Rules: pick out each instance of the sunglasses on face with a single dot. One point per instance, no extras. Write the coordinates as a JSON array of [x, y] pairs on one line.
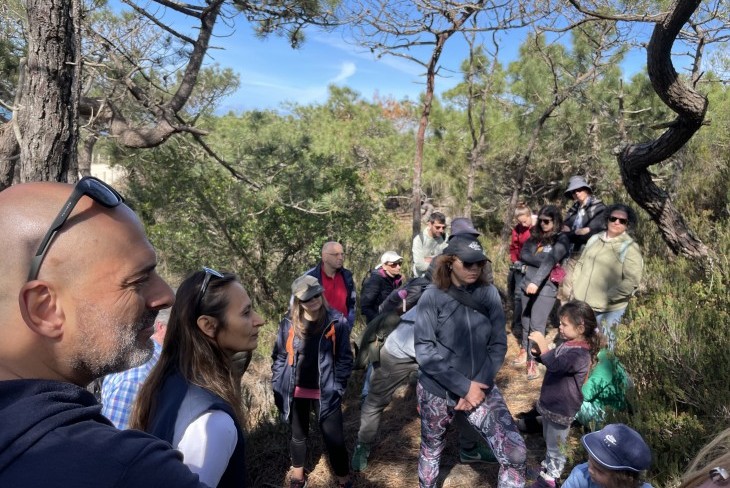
[[209, 274], [396, 264], [476, 264], [311, 298], [93, 188], [618, 219], [546, 221]]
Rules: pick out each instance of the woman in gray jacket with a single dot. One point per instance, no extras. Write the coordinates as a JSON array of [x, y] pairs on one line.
[[460, 343]]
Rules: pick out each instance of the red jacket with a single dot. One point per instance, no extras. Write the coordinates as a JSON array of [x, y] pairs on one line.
[[520, 234]]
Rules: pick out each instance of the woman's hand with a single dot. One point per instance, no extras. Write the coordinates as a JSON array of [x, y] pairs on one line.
[[463, 406], [476, 393], [582, 231], [531, 289], [540, 341]]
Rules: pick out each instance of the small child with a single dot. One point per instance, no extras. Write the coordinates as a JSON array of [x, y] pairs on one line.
[[567, 369], [617, 457], [520, 233]]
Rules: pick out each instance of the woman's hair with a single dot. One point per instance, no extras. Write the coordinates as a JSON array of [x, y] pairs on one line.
[[197, 357], [581, 314], [522, 209], [716, 454], [297, 311], [623, 208], [441, 276], [552, 212]]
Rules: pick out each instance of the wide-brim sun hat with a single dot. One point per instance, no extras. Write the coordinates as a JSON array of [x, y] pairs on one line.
[[576, 183]]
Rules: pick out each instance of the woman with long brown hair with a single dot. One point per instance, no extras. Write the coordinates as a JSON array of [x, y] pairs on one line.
[[312, 363], [191, 398], [460, 343]]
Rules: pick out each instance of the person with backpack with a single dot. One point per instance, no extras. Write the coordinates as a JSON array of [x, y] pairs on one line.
[[460, 344], [609, 270], [312, 362], [429, 243]]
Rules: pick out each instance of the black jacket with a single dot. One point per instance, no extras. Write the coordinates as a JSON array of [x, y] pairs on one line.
[[374, 292], [594, 220], [539, 260], [53, 435]]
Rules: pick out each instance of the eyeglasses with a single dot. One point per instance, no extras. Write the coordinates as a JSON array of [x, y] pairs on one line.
[[93, 188], [546, 221], [336, 254], [618, 219], [396, 264], [318, 295], [209, 274], [719, 476]]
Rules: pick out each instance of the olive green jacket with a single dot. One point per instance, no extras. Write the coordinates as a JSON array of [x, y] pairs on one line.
[[608, 272]]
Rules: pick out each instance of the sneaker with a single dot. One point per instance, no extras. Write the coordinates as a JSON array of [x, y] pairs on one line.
[[360, 457], [532, 373], [298, 483], [479, 454], [543, 481], [521, 358]]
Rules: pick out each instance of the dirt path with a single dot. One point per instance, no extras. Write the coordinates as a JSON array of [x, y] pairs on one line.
[[393, 460]]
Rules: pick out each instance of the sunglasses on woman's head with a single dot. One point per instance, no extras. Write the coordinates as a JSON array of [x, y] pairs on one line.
[[209, 273], [621, 221]]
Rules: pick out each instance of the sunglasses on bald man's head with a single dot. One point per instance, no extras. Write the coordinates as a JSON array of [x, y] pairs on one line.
[[93, 188]]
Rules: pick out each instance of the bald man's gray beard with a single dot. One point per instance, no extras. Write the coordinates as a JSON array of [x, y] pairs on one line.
[[105, 345]]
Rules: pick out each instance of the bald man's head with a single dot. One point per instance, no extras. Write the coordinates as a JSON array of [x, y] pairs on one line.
[[92, 307]]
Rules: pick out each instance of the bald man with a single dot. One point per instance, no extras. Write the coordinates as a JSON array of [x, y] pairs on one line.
[[86, 310], [337, 281]]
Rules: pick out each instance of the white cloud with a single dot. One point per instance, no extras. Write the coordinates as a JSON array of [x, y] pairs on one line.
[[347, 69]]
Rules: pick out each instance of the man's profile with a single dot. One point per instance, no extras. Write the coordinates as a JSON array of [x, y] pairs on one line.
[[83, 307]]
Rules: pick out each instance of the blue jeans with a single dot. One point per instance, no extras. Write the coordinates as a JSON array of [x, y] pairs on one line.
[[607, 321]]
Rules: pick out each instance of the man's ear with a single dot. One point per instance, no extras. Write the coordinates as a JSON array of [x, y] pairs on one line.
[[41, 309], [207, 325]]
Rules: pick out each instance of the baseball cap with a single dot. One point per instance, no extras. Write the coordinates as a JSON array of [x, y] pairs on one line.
[[467, 249], [305, 287]]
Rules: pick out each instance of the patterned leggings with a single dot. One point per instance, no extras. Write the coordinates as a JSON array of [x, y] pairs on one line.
[[491, 418]]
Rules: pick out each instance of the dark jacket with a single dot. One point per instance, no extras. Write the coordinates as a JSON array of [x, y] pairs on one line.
[[567, 368], [335, 364], [349, 285], [375, 290], [540, 260], [52, 435], [413, 289], [162, 425], [593, 219], [456, 344]]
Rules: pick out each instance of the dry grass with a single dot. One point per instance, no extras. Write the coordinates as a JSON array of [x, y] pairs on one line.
[[393, 460]]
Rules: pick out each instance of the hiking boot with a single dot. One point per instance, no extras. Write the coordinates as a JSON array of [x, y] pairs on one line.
[[360, 457], [521, 358], [302, 483], [478, 454], [532, 373]]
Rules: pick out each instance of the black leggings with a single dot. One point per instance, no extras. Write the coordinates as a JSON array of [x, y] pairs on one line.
[[332, 433]]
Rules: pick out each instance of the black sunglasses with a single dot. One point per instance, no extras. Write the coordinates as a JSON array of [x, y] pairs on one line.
[[209, 273], [311, 298], [93, 188], [545, 221], [618, 219]]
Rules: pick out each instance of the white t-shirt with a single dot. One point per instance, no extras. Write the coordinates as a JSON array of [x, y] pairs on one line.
[[206, 438]]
